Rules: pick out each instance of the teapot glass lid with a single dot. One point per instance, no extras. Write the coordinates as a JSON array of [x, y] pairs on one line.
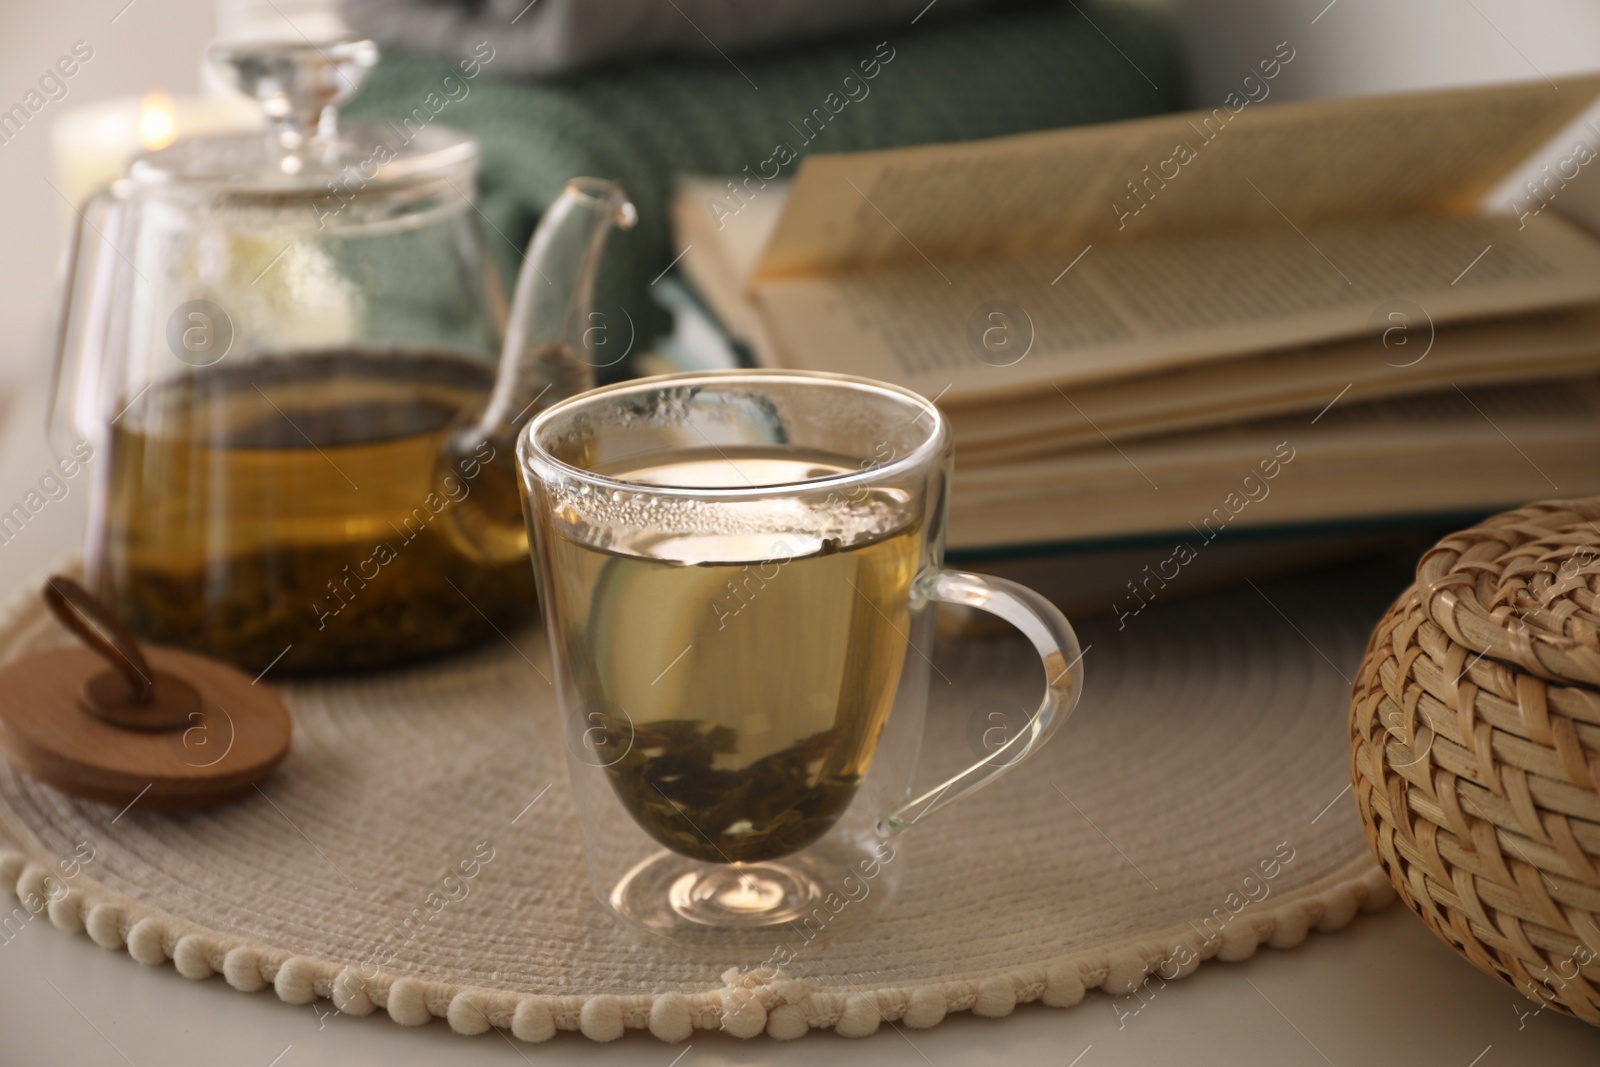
[[304, 146]]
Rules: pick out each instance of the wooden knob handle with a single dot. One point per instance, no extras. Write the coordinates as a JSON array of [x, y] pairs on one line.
[[82, 613], [131, 694]]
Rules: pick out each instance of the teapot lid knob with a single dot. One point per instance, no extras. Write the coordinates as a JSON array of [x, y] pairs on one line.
[[298, 84]]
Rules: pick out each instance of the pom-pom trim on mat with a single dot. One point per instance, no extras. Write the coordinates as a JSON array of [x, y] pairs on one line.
[[750, 1002]]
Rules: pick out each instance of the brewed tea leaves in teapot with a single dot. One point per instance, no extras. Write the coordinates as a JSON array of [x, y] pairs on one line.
[[294, 508]]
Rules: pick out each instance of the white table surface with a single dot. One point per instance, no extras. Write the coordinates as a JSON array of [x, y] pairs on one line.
[[1381, 992]]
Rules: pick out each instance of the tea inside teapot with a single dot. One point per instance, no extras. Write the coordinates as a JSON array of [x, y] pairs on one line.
[[294, 508]]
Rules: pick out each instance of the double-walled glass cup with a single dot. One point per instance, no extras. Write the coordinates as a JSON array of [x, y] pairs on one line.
[[738, 571]]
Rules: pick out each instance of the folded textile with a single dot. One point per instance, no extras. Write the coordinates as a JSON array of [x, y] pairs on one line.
[[546, 37], [977, 75]]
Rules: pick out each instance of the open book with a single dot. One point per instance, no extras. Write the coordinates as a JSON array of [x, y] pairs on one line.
[[1450, 451], [1061, 290]]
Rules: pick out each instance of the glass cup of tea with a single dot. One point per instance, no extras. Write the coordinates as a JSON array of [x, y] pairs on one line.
[[738, 571]]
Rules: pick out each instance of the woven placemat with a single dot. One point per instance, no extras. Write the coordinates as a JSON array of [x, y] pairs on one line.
[[417, 853]]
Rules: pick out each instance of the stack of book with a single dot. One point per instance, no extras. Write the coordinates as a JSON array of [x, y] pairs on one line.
[[1296, 315]]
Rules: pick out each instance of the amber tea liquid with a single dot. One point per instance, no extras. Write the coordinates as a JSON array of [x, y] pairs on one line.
[[299, 507], [741, 681]]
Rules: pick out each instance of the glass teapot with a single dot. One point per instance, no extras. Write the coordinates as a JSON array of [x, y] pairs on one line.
[[291, 358]]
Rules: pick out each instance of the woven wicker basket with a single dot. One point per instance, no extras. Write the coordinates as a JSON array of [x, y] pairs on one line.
[[1475, 748]]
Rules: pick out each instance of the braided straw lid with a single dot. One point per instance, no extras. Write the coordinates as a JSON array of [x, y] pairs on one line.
[[1521, 588], [1475, 755]]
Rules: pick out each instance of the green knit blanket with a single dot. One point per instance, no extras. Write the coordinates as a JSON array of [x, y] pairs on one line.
[[980, 75]]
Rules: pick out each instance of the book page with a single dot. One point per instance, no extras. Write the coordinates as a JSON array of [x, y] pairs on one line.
[[995, 327], [1547, 345], [737, 219], [1241, 166], [1446, 451], [721, 237]]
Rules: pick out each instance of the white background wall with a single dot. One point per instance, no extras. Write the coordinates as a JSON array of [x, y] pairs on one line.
[[153, 44], [1354, 46], [1369, 46]]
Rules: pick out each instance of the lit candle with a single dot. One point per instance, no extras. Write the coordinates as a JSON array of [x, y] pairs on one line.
[[92, 143]]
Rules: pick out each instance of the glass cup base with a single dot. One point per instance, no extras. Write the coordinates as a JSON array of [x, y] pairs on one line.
[[669, 893], [763, 894]]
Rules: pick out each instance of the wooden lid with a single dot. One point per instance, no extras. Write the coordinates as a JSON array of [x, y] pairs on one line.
[[170, 729]]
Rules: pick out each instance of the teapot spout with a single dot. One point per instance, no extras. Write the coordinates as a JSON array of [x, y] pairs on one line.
[[554, 340], [555, 337]]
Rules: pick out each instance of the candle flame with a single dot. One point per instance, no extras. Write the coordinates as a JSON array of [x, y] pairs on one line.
[[158, 124]]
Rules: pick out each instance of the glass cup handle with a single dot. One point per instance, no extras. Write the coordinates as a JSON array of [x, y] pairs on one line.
[[1043, 624]]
